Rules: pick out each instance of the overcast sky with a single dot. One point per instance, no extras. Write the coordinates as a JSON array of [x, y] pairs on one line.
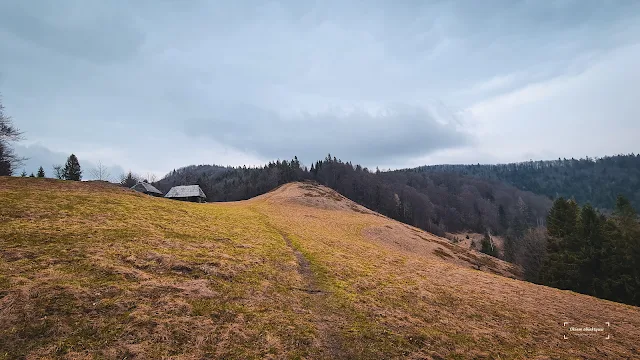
[[155, 85]]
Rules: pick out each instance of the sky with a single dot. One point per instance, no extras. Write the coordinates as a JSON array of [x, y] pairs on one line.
[[154, 85]]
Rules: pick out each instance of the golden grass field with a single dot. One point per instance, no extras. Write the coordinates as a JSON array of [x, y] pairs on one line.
[[93, 271]]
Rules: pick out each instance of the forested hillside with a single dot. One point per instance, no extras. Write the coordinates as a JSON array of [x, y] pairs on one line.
[[189, 175], [596, 181], [436, 202]]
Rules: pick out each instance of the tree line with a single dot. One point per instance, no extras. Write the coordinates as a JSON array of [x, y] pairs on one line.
[[597, 181]]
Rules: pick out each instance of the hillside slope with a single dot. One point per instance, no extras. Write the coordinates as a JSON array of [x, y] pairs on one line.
[[94, 271], [596, 181]]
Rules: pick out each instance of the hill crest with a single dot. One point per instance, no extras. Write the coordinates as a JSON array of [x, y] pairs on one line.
[[386, 232]]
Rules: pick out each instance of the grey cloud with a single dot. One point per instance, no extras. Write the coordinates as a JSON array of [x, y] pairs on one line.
[[396, 132], [90, 30], [122, 76]]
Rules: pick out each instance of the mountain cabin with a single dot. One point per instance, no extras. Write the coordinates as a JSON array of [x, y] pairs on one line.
[[191, 193], [147, 188]]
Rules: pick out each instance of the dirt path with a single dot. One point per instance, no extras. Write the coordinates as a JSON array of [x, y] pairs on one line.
[[317, 302]]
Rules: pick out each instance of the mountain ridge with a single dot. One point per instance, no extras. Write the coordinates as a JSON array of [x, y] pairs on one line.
[[597, 181]]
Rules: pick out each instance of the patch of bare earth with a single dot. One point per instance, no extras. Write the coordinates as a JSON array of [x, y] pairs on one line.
[[328, 339]]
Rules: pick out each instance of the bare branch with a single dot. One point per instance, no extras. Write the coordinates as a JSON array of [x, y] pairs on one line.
[[101, 172]]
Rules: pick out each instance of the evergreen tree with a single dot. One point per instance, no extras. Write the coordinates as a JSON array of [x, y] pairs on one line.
[[588, 255], [72, 169], [487, 247], [32, 175], [623, 281], [24, 174], [129, 180], [560, 269], [41, 172]]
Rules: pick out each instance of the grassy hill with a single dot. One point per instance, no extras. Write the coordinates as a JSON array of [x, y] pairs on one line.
[[90, 270]]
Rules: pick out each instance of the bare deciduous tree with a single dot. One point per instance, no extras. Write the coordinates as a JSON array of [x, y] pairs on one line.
[[150, 178], [101, 172], [9, 161], [58, 172], [532, 252]]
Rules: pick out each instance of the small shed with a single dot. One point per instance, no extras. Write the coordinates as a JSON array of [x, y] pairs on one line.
[[147, 188], [191, 193]]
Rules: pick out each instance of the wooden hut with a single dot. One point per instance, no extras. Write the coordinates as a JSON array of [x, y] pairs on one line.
[[191, 193], [147, 188]]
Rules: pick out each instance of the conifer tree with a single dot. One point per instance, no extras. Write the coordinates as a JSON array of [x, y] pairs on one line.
[[588, 255], [129, 180], [560, 269], [72, 169], [487, 247], [41, 172]]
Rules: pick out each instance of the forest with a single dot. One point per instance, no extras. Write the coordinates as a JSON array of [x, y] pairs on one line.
[[597, 181]]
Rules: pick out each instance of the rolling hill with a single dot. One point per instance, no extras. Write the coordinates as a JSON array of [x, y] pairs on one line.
[[90, 270]]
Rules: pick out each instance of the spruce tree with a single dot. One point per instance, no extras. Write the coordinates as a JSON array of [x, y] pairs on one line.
[[24, 174], [560, 268], [487, 246], [72, 169], [41, 172], [623, 278], [588, 256], [129, 180]]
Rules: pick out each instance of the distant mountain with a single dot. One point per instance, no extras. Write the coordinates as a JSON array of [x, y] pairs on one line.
[[596, 181], [438, 202]]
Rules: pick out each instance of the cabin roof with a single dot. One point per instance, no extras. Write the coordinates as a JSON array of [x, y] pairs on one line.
[[146, 187], [185, 191]]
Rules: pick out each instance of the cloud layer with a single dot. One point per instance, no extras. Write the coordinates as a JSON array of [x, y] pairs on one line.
[[387, 135], [154, 85]]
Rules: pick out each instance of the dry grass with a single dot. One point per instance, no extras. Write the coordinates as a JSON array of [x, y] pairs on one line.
[[95, 271]]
